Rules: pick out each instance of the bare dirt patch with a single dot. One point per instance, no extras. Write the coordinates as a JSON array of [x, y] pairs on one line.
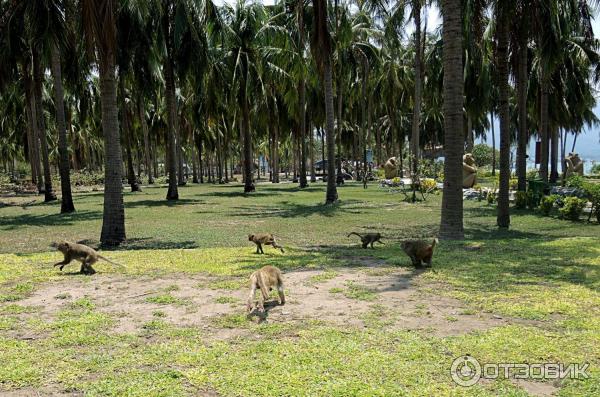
[[388, 294]]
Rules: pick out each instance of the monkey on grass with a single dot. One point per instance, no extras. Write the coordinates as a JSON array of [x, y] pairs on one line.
[[419, 251], [369, 238], [82, 253], [264, 238], [265, 279]]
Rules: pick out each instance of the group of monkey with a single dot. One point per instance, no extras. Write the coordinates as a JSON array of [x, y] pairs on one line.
[[266, 278]]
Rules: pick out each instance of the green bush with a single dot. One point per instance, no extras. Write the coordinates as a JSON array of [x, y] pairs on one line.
[[521, 200], [532, 203], [491, 197], [547, 203], [572, 208], [483, 155], [575, 181], [592, 192], [431, 169], [595, 169], [533, 174]]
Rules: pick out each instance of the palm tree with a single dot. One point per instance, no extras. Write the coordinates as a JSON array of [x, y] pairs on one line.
[[502, 26], [99, 20], [451, 226], [321, 44], [66, 204]]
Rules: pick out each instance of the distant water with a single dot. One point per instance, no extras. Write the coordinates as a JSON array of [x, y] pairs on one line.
[[587, 145]]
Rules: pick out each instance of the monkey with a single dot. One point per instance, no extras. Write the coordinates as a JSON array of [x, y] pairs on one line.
[[266, 239], [419, 251], [82, 253], [265, 279], [369, 238]]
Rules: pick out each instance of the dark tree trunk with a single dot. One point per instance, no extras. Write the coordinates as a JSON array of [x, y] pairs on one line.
[[544, 128], [451, 226], [522, 81], [147, 153], [248, 183], [554, 155], [66, 204], [113, 222], [172, 135], [493, 145], [503, 218], [38, 76], [34, 141], [416, 122]]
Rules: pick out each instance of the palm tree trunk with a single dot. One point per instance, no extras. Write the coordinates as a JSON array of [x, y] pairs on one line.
[[199, 150], [563, 148], [554, 155], [470, 138], [113, 222], [38, 76], [172, 193], [451, 226], [66, 204], [33, 140], [331, 196], [365, 122], [416, 121], [311, 135], [276, 153], [544, 128], [339, 178], [493, 143], [248, 183], [302, 92], [522, 80], [147, 154], [503, 218]]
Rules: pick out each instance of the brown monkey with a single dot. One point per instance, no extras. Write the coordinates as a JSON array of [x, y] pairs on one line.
[[369, 238], [265, 279], [263, 238], [419, 251], [82, 253]]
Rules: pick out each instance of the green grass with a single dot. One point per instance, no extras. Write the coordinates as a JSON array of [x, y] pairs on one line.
[[542, 276]]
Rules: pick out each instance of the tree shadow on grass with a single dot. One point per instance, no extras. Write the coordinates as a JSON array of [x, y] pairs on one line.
[[287, 209], [149, 243], [162, 203], [18, 221]]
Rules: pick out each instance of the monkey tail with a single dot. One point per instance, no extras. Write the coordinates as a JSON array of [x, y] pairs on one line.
[[435, 241], [354, 234], [109, 261]]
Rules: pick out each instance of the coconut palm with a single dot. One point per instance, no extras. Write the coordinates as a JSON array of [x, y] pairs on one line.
[[451, 226], [99, 20], [321, 48]]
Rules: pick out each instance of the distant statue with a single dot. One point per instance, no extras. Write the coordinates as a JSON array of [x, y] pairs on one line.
[[391, 168], [574, 165], [469, 171]]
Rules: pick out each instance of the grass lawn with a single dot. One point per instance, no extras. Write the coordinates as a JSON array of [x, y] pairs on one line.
[[172, 321]]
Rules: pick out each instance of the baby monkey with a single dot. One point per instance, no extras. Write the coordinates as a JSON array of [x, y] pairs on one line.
[[369, 238], [265, 279], [419, 251], [82, 253], [263, 238]]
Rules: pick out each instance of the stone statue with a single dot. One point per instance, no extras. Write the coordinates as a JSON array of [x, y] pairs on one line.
[[391, 168], [574, 165], [469, 171]]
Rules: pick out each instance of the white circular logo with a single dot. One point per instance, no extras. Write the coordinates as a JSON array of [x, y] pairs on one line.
[[465, 371]]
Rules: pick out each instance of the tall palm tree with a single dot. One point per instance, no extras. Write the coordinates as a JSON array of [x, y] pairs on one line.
[[321, 44], [66, 204], [451, 226], [502, 26], [99, 20]]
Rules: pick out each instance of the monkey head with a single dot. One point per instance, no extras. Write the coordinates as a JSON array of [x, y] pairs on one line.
[[63, 246], [250, 237], [469, 159]]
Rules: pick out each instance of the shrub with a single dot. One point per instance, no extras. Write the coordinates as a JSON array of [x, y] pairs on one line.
[[595, 169], [491, 197], [431, 169], [521, 200], [592, 192], [572, 208], [533, 174], [547, 203], [575, 181], [483, 155], [428, 185], [532, 201]]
